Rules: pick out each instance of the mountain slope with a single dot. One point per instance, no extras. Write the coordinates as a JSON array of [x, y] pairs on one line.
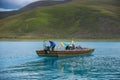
[[77, 19], [32, 6]]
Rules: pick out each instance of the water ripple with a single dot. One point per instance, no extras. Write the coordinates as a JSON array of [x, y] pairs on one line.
[[75, 68]]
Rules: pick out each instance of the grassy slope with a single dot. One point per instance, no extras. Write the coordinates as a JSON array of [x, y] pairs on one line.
[[31, 7], [77, 19]]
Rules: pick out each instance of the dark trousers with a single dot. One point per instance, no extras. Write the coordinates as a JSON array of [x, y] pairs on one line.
[[53, 48]]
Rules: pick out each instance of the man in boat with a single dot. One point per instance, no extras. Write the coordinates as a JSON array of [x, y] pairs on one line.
[[79, 47], [52, 45], [46, 47], [70, 47]]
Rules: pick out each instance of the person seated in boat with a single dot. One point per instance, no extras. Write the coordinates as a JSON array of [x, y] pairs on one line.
[[67, 47], [73, 46], [47, 49], [70, 47], [52, 45], [79, 47]]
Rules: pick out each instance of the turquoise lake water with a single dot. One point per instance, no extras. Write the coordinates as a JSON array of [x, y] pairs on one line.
[[19, 61]]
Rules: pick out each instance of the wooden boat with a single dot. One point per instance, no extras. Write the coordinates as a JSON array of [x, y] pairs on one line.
[[74, 52]]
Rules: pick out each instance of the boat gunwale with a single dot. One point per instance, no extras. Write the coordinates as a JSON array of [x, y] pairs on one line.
[[64, 52]]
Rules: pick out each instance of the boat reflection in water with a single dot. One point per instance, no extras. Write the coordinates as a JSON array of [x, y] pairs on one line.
[[46, 68]]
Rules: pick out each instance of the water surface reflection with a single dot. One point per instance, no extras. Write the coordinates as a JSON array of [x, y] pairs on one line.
[[70, 68]]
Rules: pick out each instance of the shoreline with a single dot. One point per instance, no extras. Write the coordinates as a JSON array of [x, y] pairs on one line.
[[78, 40]]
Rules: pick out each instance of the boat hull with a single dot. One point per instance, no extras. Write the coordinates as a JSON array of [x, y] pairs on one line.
[[64, 52]]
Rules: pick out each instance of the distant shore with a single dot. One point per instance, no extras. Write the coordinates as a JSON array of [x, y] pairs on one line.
[[79, 40]]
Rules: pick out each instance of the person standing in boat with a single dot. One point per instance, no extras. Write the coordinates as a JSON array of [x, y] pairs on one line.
[[52, 45]]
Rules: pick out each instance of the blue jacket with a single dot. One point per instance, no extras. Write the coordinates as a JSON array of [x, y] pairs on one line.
[[52, 43]]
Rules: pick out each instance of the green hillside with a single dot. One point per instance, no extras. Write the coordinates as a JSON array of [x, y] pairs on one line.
[[89, 19]]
